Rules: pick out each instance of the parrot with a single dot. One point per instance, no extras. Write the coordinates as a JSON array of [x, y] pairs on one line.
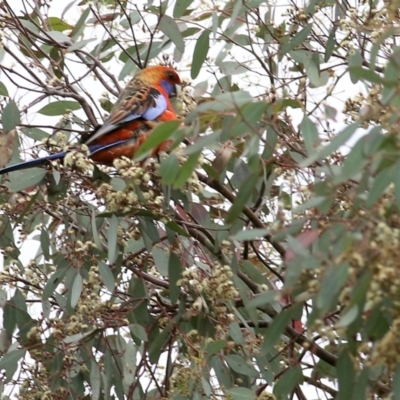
[[143, 103]]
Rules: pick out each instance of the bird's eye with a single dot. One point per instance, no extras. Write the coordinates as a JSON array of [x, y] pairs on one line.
[[170, 75]]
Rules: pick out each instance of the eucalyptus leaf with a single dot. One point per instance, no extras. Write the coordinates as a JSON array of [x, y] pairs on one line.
[[59, 107], [11, 116]]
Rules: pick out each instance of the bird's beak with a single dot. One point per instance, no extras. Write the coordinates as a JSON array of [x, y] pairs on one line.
[[177, 91]]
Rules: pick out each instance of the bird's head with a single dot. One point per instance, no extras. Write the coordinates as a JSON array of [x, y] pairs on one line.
[[157, 75]]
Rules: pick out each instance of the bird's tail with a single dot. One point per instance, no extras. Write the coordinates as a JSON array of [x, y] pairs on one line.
[[33, 163], [93, 149]]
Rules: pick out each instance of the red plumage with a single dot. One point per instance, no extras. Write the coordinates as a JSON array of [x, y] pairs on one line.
[[141, 105]]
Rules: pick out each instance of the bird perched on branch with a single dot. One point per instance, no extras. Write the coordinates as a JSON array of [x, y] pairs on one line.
[[141, 105]]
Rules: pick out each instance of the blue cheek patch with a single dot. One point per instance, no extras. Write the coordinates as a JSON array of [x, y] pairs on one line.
[[168, 87]]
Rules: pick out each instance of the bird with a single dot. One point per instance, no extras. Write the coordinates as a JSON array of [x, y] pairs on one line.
[[143, 104]]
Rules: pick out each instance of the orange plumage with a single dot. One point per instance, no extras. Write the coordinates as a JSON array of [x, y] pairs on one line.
[[141, 105]]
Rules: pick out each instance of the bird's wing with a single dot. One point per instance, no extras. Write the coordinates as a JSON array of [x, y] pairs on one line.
[[137, 100]]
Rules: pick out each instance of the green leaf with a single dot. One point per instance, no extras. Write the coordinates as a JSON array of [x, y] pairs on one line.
[[241, 393], [288, 381], [20, 180], [148, 228], [129, 365], [79, 45], [95, 380], [118, 184], [396, 180], [360, 388], [159, 135], [170, 28], [377, 324], [95, 233], [76, 290], [330, 45], [236, 332], [202, 142], [222, 102], [59, 107], [396, 384], [169, 169], [353, 164], [299, 38], [9, 320], [339, 140], [78, 337], [173, 226], [161, 259], [332, 282], [347, 317], [139, 332], [360, 73], [112, 236], [174, 274], [29, 25], [54, 280], [256, 273], [45, 244], [57, 24], [3, 90], [156, 345], [134, 18], [244, 194], [60, 37], [310, 134], [180, 7], [80, 25], [345, 373], [275, 330], [317, 78], [186, 170], [9, 361], [222, 372], [249, 234], [206, 387], [355, 59], [239, 365], [3, 298], [35, 133], [11, 116], [265, 298], [231, 68], [56, 176], [106, 275], [381, 182], [127, 69], [200, 53], [254, 111], [215, 347]]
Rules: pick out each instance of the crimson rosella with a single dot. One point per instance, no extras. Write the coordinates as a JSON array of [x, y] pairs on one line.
[[144, 102]]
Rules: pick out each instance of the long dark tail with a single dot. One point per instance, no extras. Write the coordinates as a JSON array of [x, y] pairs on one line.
[[33, 163], [57, 156]]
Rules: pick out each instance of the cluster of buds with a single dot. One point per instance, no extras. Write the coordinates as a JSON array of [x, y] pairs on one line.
[[79, 159]]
